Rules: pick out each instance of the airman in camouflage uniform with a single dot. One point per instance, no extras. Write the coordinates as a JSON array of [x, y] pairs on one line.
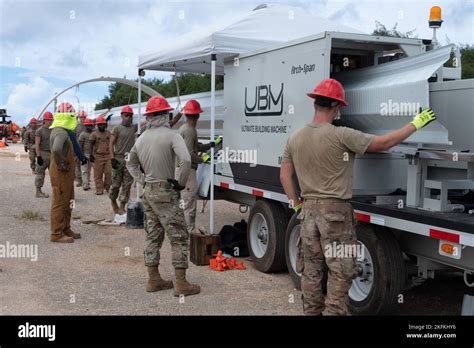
[[29, 142], [121, 141], [322, 156], [155, 152], [43, 151]]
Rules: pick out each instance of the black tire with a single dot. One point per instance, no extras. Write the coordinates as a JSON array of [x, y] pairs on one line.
[[273, 259], [296, 277], [388, 270], [290, 251]]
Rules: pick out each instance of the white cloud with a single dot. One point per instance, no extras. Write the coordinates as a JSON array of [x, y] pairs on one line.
[[27, 99]]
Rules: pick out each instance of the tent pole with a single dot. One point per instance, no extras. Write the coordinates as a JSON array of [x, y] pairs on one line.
[[213, 95], [139, 97]]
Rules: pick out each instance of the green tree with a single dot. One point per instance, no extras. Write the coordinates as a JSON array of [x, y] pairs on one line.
[[467, 61], [120, 94], [381, 30]]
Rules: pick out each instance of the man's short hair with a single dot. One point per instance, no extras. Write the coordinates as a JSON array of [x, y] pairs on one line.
[[160, 113], [192, 115], [325, 102]]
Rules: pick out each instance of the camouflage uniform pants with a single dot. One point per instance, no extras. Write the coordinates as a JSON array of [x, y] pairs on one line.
[[41, 170], [86, 173], [32, 156], [163, 215], [327, 226], [121, 178], [77, 169], [189, 196]]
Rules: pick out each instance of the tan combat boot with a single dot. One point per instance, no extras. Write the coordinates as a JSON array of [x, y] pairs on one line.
[[122, 208], [182, 286], [72, 234], [115, 207], [62, 239], [155, 282], [40, 194]]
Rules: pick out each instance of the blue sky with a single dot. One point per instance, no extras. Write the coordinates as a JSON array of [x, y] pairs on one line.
[[49, 45]]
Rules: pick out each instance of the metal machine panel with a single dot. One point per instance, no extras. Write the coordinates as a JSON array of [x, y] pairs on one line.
[[265, 97], [385, 97], [448, 99]]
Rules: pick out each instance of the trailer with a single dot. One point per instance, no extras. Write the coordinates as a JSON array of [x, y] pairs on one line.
[[413, 204]]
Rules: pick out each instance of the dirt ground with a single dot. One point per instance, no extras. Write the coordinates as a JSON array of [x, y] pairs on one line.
[[103, 273]]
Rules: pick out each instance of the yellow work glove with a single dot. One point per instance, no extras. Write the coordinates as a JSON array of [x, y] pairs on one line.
[[423, 118], [218, 140], [205, 157], [297, 208]]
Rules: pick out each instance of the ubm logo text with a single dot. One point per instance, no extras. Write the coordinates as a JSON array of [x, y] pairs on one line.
[[264, 102]]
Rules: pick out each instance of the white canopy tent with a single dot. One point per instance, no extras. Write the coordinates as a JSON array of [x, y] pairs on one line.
[[265, 26]]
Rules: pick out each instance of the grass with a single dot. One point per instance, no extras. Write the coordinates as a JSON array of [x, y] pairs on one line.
[[30, 215]]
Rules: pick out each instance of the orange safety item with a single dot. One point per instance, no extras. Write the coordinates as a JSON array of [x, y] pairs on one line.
[[329, 88], [33, 120], [221, 263], [157, 104], [126, 110], [100, 120], [82, 114], [192, 107], [88, 122], [48, 116], [65, 107], [14, 127]]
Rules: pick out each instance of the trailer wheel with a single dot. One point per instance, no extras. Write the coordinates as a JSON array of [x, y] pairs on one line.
[[266, 236], [291, 238], [381, 272], [291, 249]]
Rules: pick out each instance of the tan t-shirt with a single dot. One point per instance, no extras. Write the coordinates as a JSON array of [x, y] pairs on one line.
[[44, 133], [85, 141], [323, 157], [30, 138], [125, 138], [155, 151]]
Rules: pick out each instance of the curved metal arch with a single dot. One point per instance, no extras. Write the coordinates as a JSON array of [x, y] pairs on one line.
[[148, 90]]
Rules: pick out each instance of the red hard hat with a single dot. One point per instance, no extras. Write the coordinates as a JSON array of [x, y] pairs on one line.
[[48, 116], [88, 122], [126, 110], [33, 120], [329, 88], [192, 107], [157, 104], [65, 107], [100, 120], [82, 114]]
